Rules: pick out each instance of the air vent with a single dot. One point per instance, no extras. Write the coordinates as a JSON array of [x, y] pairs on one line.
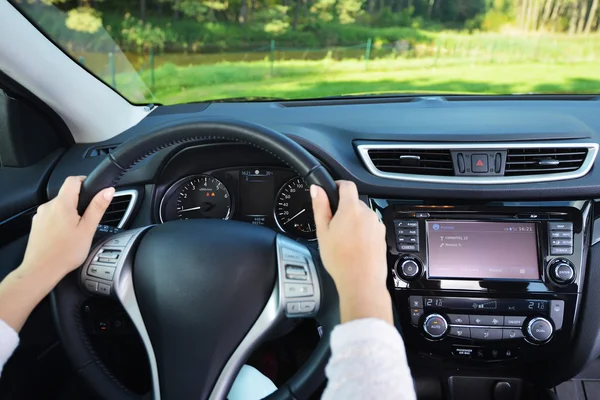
[[413, 161], [100, 151], [535, 161], [521, 162], [120, 208]]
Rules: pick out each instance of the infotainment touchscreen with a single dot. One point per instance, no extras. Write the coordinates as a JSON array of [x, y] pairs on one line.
[[484, 250]]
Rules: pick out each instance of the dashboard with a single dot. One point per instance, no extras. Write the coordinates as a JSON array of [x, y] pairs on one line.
[[492, 261]]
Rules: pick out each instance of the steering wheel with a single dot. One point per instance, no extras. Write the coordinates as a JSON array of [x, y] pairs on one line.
[[201, 293]]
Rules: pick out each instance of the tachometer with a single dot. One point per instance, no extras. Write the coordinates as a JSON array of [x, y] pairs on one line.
[[200, 196], [293, 209]]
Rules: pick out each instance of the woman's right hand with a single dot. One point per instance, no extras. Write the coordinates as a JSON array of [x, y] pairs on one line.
[[353, 249]]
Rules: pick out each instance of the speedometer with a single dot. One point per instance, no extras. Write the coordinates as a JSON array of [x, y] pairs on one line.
[[293, 209], [200, 196]]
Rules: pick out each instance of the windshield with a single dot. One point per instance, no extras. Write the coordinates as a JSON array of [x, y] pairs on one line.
[[177, 51]]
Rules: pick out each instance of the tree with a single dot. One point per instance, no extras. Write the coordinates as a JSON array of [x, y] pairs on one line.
[[592, 17], [583, 8]]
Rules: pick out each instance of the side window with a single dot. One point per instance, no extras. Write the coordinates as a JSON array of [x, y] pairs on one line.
[[30, 146]]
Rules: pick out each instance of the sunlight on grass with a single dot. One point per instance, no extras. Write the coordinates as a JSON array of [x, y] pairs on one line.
[[310, 79]]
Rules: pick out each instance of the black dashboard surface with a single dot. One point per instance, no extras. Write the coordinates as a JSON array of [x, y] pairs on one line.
[[329, 129]]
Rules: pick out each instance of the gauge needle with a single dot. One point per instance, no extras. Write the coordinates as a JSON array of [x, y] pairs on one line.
[[191, 209], [288, 221]]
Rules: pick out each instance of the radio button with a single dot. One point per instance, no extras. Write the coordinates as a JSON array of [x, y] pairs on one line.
[[559, 251], [488, 320], [408, 247], [561, 242], [458, 319], [415, 315], [486, 334], [407, 239], [459, 332], [517, 322], [406, 224], [560, 226], [407, 232], [561, 235], [511, 333]]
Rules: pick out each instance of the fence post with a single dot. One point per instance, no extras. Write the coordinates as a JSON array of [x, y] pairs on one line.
[[152, 67], [272, 56], [368, 52], [111, 64], [81, 60]]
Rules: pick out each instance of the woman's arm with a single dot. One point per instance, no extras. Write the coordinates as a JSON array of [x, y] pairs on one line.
[[368, 357], [59, 242]]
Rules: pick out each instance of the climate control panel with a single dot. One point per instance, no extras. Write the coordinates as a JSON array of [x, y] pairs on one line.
[[486, 320]]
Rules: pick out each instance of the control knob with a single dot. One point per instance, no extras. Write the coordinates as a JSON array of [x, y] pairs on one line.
[[435, 325], [562, 272], [539, 330], [408, 268]]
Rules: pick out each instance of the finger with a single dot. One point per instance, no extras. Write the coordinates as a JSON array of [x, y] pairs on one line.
[[93, 214], [69, 191], [321, 208], [348, 194]]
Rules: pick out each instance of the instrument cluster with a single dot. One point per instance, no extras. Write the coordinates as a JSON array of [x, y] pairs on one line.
[[271, 196]]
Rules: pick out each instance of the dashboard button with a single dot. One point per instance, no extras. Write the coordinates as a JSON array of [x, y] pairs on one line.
[[561, 242], [458, 319], [407, 239], [561, 234], [457, 331], [415, 301], [435, 326], [407, 232], [406, 224], [514, 321], [560, 226], [539, 329], [415, 315], [511, 333], [408, 247], [486, 333], [489, 320], [460, 159], [557, 312], [479, 163], [558, 251]]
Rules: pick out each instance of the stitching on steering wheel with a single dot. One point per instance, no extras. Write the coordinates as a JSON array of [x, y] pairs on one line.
[[95, 357], [187, 140]]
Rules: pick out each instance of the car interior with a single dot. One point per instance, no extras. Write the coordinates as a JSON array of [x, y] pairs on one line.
[[207, 257]]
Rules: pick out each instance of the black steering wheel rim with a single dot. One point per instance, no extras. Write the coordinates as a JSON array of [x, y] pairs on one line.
[[68, 297]]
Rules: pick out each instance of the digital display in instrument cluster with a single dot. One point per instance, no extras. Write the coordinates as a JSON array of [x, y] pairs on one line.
[[257, 190], [482, 250]]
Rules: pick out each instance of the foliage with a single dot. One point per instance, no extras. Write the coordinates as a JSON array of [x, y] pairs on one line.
[[143, 34], [84, 19]]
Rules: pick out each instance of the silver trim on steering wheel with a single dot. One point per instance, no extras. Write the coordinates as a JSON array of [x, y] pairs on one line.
[[296, 294]]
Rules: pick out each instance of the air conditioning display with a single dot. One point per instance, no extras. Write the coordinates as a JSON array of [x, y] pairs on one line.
[[482, 250]]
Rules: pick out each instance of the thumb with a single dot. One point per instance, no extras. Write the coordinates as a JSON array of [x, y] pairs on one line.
[[93, 214], [321, 208]]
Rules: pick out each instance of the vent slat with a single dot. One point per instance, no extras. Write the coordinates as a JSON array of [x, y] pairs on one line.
[[527, 161], [418, 162], [116, 210]]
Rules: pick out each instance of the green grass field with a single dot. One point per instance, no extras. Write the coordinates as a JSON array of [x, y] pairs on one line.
[[310, 79], [449, 63]]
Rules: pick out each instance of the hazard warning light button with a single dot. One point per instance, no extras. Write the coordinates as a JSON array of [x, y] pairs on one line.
[[479, 163]]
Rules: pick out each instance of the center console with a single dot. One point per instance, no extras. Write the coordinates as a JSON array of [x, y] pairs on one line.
[[492, 286]]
